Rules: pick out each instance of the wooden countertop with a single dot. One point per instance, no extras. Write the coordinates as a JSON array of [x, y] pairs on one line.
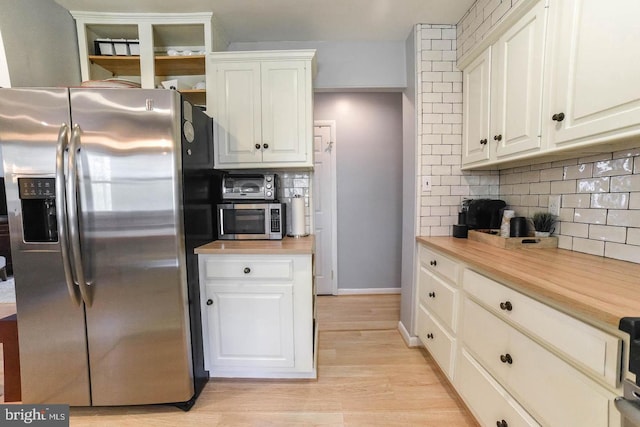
[[288, 245], [593, 288]]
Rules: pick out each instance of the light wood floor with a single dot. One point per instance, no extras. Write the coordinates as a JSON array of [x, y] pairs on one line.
[[367, 376]]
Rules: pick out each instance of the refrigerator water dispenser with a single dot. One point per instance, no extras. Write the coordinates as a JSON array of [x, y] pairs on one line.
[[37, 197]]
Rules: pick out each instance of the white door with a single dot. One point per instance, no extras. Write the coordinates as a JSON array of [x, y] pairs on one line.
[[516, 84], [477, 81], [595, 69], [325, 207]]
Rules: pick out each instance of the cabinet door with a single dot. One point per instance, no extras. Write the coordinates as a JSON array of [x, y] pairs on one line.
[[594, 71], [285, 125], [438, 297], [438, 342], [250, 325], [237, 113], [516, 85], [477, 81]]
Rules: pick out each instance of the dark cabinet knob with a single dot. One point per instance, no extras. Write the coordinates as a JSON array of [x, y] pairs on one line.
[[433, 262], [558, 117], [209, 302], [265, 146], [497, 137], [506, 358], [257, 146], [502, 423], [432, 294], [506, 306], [483, 141], [430, 336], [247, 270]]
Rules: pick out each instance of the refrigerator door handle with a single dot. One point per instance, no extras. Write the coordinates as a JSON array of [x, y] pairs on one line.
[[61, 211], [72, 214]]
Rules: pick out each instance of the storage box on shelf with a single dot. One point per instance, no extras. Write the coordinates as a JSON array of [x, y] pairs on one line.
[[157, 34], [586, 99], [263, 108], [257, 314], [437, 307]]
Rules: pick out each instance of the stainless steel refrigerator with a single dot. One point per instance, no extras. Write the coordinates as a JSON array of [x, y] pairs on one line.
[[108, 191]]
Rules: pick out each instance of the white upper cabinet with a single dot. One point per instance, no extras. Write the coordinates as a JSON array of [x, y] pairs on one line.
[[476, 126], [503, 93], [262, 108], [594, 87]]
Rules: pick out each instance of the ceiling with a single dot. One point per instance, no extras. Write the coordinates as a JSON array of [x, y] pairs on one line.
[[300, 20]]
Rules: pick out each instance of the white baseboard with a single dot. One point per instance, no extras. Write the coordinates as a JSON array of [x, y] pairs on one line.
[[368, 291], [408, 339]]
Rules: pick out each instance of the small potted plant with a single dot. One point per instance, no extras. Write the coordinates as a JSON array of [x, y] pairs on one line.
[[543, 223]]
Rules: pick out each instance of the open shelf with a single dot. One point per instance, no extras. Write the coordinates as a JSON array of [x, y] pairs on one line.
[[164, 65], [118, 65]]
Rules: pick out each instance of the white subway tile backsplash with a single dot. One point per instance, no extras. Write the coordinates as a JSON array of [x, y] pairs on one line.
[[594, 185], [574, 229], [595, 158], [626, 218], [591, 216], [593, 247], [540, 188], [608, 233], [634, 200], [623, 252], [578, 171], [625, 183], [632, 152], [613, 167], [610, 200], [576, 200], [633, 236], [565, 242], [552, 174], [563, 187]]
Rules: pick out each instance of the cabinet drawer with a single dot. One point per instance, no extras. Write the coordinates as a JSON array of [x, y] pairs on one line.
[[438, 297], [439, 264], [486, 398], [440, 344], [553, 391], [593, 349], [248, 268]]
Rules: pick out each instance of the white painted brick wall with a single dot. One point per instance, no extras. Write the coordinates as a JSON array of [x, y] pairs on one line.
[[481, 17]]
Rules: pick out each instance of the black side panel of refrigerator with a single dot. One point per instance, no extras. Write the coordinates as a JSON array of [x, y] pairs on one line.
[[201, 192]]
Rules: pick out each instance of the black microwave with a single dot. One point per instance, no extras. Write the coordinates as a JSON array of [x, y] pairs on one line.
[[251, 221]]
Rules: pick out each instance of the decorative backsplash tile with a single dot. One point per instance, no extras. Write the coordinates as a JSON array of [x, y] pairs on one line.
[[600, 201], [292, 184]]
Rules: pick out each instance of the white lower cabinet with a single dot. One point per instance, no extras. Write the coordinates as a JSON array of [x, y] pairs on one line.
[[437, 341], [553, 391], [257, 314], [488, 401]]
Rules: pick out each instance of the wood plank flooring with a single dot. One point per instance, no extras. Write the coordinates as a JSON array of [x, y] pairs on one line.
[[367, 376]]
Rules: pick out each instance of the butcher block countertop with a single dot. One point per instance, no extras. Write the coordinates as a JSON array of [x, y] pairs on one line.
[[593, 288], [286, 246]]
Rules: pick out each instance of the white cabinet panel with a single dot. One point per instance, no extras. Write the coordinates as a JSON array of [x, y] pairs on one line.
[[477, 103], [251, 325], [489, 402], [438, 297], [595, 350], [439, 264], [555, 392], [440, 344], [594, 72]]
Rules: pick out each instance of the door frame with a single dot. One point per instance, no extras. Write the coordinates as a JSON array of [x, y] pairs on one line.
[[334, 201]]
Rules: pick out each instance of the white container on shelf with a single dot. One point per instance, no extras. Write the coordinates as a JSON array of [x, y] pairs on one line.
[[134, 47], [105, 47], [120, 47]]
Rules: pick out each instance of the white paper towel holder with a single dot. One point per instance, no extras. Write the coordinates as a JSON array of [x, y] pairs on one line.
[[298, 235]]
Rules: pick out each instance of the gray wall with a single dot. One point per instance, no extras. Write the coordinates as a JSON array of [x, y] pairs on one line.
[[348, 65], [369, 183], [40, 43], [410, 198]]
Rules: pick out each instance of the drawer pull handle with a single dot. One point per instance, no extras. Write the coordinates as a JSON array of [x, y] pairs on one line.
[[247, 270], [430, 336], [209, 302], [433, 262], [506, 306], [506, 358], [432, 294], [502, 423]]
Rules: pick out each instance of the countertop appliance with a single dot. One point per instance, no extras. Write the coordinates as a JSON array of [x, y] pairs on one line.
[[102, 236], [251, 221], [250, 187], [482, 214]]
